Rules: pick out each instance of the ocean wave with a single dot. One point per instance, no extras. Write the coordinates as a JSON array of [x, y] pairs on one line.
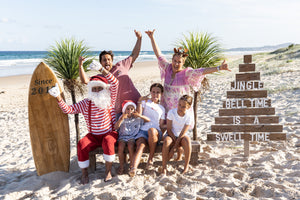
[[15, 62], [14, 67]]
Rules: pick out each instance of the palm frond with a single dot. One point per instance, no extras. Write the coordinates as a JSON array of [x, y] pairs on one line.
[[203, 50], [63, 58]]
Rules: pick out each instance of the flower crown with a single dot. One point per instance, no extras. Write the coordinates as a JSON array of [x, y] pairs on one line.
[[181, 51]]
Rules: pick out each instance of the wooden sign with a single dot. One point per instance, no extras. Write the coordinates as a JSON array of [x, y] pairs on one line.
[[247, 111], [247, 103], [247, 114], [246, 85], [247, 76], [247, 58], [225, 137], [247, 94], [246, 67], [247, 120]]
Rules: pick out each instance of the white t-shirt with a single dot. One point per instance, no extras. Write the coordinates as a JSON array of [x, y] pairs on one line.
[[154, 112], [178, 122]]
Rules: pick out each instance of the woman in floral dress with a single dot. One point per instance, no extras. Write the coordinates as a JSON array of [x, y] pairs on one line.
[[178, 80]]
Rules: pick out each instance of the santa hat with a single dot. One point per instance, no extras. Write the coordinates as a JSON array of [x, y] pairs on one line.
[[98, 81], [127, 103]]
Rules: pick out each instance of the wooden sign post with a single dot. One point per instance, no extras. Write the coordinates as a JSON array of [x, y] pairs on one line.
[[247, 113]]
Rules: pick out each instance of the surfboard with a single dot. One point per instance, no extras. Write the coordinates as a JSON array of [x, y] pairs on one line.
[[48, 125]]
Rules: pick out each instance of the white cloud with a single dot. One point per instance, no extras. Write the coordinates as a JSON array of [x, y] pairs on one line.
[[263, 8], [53, 27], [14, 39], [181, 3], [4, 20], [7, 20]]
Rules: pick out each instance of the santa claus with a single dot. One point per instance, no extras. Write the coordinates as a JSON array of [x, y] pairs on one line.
[[99, 114]]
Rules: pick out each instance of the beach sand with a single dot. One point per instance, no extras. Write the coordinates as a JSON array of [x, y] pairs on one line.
[[272, 171]]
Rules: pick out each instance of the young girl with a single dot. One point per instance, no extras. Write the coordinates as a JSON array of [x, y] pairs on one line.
[[150, 132], [178, 122], [128, 124]]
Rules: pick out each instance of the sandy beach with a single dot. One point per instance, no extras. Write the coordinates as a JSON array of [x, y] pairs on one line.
[[272, 171]]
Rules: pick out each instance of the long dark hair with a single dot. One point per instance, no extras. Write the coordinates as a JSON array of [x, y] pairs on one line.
[[157, 85]]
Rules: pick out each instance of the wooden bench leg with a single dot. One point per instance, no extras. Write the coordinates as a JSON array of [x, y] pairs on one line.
[[92, 167], [194, 158], [195, 151]]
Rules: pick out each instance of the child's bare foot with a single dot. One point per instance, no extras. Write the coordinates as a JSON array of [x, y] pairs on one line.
[[149, 164], [170, 156], [179, 154], [185, 171], [164, 172], [132, 172], [121, 170]]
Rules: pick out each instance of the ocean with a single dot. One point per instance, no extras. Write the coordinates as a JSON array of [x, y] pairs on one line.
[[24, 62]]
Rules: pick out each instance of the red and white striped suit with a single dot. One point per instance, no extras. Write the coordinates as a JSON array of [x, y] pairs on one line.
[[100, 125]]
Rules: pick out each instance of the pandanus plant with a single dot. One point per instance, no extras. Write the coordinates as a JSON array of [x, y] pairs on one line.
[[63, 59]]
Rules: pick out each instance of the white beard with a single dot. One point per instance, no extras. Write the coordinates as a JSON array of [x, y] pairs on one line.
[[101, 99]]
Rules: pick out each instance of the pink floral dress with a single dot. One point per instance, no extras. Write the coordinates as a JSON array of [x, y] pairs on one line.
[[184, 82]]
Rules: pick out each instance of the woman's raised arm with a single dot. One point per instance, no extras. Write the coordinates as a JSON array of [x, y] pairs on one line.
[[153, 43]]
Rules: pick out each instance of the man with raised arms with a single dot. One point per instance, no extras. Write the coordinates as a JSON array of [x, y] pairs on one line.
[[127, 90]]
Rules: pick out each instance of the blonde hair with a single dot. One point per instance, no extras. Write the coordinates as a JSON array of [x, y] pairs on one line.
[[187, 98]]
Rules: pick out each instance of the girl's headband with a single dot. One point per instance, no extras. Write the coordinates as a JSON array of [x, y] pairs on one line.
[[181, 51]]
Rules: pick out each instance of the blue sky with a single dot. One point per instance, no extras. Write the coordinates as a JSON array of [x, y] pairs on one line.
[[37, 24]]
